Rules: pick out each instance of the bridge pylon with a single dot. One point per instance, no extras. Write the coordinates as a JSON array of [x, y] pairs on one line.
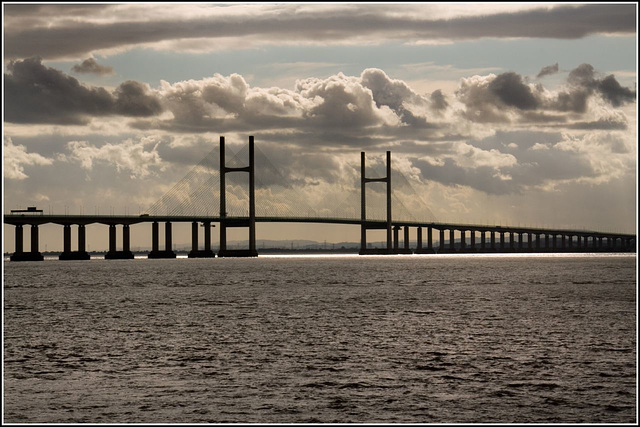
[[237, 222], [364, 225]]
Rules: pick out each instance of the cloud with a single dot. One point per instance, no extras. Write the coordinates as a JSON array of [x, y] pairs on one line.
[[113, 28], [585, 77], [134, 99], [38, 94], [508, 98], [548, 70], [16, 158], [510, 89], [35, 93], [613, 92], [438, 101], [91, 66], [130, 155]]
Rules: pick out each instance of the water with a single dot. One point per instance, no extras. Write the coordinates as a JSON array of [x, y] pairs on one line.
[[322, 339]]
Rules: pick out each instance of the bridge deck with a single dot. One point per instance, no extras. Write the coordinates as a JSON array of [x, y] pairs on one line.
[[23, 219]]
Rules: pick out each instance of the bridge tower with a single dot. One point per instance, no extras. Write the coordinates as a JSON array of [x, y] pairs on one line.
[[237, 222], [364, 226]]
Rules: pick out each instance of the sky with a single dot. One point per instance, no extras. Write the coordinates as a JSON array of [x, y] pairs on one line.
[[495, 113]]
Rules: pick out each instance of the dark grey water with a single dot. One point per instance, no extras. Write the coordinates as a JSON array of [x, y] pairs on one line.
[[347, 339]]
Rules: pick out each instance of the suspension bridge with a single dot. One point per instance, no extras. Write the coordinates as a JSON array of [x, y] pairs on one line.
[[203, 198]]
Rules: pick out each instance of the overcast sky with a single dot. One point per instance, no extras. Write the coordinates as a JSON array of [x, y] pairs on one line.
[[495, 113]]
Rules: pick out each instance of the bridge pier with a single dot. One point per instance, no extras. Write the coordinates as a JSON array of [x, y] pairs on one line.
[[419, 240], [493, 240], [502, 241], [34, 254], [395, 238], [125, 253], [195, 250], [441, 243], [452, 240], [156, 253], [473, 240], [463, 243], [67, 254], [407, 249]]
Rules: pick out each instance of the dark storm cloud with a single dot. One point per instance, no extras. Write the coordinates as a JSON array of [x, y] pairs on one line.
[[586, 77], [35, 93], [91, 66], [489, 99], [133, 99], [613, 92], [327, 24], [513, 92], [38, 94], [548, 70], [438, 101]]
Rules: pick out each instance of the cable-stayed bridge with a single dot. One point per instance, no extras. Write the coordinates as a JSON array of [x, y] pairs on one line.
[[217, 190]]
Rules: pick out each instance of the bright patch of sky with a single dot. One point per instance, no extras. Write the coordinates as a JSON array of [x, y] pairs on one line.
[[282, 65]]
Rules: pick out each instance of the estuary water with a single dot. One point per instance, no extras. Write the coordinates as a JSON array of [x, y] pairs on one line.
[[399, 339]]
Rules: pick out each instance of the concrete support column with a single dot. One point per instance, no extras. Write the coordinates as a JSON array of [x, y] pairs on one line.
[[564, 243], [546, 242], [530, 241], [155, 247], [554, 242], [482, 240], [207, 236], [194, 236], [538, 240], [112, 237], [252, 199], [473, 240], [579, 243], [66, 238], [19, 254], [82, 238], [502, 240], [441, 239], [493, 240], [511, 240], [167, 237], [19, 240], [429, 238], [570, 242], [520, 237], [396, 229], [126, 238], [406, 238], [463, 243], [452, 240], [418, 238], [599, 242]]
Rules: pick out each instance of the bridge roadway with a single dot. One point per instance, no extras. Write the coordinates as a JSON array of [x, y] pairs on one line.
[[22, 219], [495, 243]]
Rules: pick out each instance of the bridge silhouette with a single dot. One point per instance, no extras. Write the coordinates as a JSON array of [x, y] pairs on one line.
[[202, 198]]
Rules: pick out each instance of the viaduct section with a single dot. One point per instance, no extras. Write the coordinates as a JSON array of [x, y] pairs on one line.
[[471, 238]]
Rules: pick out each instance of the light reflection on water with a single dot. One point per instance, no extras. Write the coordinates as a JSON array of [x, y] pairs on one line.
[[299, 338]]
